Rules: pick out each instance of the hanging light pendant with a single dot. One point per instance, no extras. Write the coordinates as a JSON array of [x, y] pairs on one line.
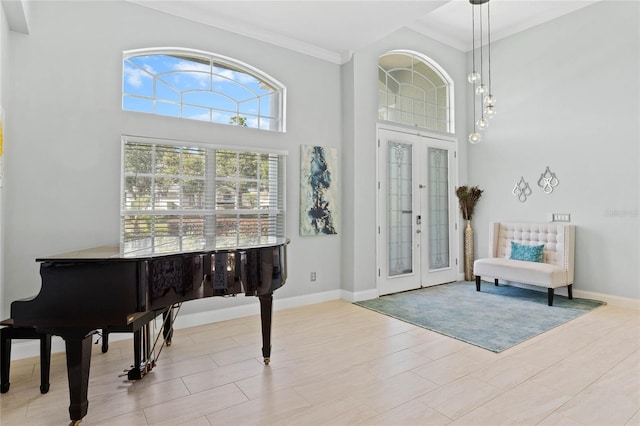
[[486, 100]]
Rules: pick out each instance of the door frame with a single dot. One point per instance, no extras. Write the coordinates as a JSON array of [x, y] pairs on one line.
[[455, 240]]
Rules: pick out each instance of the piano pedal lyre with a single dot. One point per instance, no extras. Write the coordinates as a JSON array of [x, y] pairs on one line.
[[145, 356]]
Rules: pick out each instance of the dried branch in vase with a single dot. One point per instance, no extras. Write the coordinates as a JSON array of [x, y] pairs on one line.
[[468, 197]]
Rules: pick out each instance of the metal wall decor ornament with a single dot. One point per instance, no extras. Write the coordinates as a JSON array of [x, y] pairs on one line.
[[522, 190], [548, 181]]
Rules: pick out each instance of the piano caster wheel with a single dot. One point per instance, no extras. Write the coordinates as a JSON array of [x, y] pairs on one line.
[[267, 361], [168, 342], [5, 387], [75, 422], [44, 388]]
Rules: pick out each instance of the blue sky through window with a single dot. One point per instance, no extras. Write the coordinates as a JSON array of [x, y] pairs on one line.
[[198, 87]]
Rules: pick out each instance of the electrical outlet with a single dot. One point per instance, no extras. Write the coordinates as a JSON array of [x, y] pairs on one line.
[[313, 276]]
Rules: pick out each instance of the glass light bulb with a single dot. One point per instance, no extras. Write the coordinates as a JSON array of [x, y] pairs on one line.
[[474, 77], [474, 138], [481, 89], [489, 100], [489, 111], [482, 123]]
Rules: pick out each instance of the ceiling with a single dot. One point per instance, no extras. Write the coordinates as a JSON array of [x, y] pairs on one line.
[[332, 30]]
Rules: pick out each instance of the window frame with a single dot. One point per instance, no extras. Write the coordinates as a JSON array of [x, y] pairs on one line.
[[449, 121], [210, 211]]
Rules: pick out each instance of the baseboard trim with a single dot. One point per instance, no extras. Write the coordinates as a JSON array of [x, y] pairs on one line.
[[621, 302]]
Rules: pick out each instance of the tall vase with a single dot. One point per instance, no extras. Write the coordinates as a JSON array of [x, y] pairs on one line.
[[468, 252]]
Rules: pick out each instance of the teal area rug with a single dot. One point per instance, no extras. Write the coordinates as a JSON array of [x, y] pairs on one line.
[[495, 318]]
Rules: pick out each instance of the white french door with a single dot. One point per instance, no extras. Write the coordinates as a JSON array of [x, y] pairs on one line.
[[416, 211]]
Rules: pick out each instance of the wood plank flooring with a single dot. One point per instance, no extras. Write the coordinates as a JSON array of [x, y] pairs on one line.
[[336, 363]]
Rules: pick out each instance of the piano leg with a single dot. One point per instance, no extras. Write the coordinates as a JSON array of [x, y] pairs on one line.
[[45, 362], [266, 303], [78, 350]]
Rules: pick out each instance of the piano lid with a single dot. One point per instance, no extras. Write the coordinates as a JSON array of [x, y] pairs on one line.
[[145, 249]]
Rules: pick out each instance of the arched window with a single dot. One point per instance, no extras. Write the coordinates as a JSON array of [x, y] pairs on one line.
[[415, 91], [198, 85]]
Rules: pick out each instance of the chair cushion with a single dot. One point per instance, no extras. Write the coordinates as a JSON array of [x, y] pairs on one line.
[[521, 271]]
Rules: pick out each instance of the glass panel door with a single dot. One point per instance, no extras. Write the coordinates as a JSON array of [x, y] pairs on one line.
[[438, 208], [416, 212], [399, 209]]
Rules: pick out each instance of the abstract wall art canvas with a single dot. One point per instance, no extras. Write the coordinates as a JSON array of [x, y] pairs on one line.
[[319, 214]]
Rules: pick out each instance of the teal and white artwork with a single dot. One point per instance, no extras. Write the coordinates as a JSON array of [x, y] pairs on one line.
[[319, 214]]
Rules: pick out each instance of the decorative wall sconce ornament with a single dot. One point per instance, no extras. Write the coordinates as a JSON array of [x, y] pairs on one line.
[[548, 181], [481, 87], [522, 190]]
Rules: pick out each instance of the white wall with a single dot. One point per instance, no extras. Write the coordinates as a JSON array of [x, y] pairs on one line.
[[568, 98], [4, 61], [63, 142], [576, 80]]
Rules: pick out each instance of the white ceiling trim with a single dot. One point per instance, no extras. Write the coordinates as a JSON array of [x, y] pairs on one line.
[[331, 30], [247, 30]]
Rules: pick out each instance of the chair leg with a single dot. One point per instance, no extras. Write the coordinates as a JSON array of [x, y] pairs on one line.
[[5, 359], [477, 282], [105, 341], [7, 334], [570, 290], [550, 296]]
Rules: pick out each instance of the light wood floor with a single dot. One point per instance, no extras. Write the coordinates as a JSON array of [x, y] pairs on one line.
[[339, 364]]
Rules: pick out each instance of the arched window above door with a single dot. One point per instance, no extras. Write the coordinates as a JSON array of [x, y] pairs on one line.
[[414, 90]]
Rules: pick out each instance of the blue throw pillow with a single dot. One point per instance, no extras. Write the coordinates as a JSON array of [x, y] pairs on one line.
[[528, 253]]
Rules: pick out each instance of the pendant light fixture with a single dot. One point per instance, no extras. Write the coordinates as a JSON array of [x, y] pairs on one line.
[[481, 88]]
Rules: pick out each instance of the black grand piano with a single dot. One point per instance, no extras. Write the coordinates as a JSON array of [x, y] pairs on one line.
[[116, 289]]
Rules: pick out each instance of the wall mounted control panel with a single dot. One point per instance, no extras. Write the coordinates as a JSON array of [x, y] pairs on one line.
[[560, 217]]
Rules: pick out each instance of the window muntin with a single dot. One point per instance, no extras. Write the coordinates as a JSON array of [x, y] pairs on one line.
[[182, 197], [201, 86], [414, 91]]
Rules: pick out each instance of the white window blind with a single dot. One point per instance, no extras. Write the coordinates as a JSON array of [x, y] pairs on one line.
[[183, 197]]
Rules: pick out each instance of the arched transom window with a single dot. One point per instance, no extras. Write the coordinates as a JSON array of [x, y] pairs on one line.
[[198, 85], [414, 90]]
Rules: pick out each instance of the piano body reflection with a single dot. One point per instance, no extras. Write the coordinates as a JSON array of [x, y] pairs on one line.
[[109, 289]]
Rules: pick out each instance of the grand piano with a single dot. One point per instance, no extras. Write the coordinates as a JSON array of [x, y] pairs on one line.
[[121, 289]]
